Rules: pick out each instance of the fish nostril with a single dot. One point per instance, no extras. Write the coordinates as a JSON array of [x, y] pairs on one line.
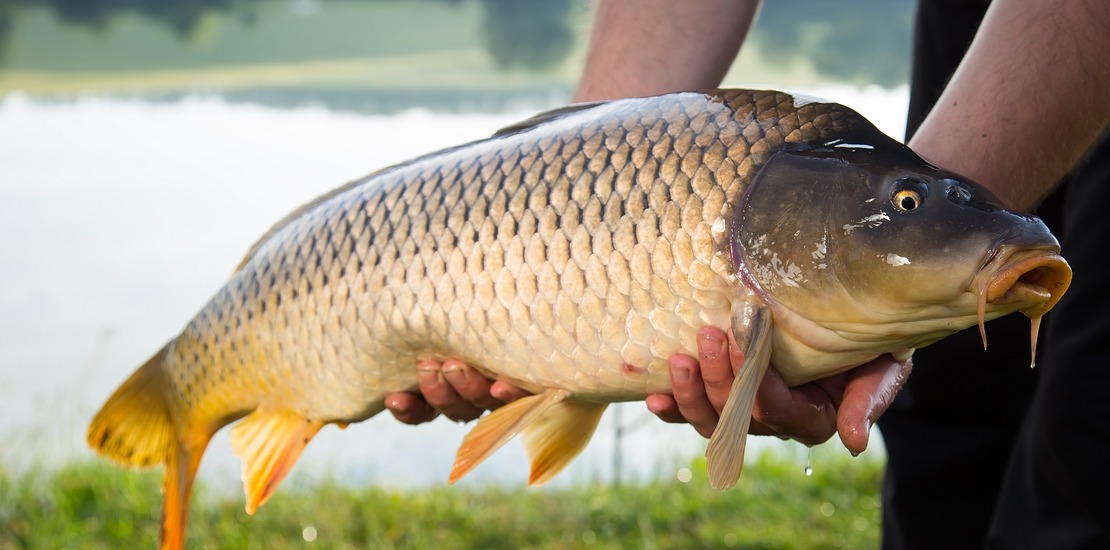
[[958, 194]]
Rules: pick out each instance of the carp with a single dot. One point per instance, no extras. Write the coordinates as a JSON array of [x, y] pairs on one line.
[[572, 254]]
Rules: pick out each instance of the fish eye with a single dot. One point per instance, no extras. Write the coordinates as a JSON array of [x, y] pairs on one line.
[[908, 194]]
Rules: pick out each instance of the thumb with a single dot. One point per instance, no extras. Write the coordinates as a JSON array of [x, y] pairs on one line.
[[869, 391]]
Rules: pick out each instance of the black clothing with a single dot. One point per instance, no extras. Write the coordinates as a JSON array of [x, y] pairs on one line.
[[983, 451]]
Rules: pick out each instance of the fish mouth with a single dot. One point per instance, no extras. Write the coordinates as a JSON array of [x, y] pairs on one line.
[[1033, 279]]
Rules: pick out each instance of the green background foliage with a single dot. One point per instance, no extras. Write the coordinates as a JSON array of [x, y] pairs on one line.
[[95, 505]]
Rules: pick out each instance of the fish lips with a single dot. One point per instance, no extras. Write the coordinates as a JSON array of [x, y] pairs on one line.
[[1033, 279]]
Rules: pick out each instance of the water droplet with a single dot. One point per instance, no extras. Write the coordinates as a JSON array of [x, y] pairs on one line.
[[461, 422], [809, 470]]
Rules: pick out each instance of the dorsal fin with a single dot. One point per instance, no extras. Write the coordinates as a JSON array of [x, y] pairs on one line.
[[545, 117]]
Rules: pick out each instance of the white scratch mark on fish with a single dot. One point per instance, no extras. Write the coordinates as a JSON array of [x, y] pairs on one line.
[[896, 260], [853, 146], [718, 227], [872, 221], [819, 252], [801, 100], [791, 275]]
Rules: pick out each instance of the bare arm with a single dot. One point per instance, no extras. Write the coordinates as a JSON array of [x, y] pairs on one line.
[[650, 47], [1029, 99]]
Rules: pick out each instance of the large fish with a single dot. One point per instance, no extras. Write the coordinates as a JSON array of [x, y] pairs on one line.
[[573, 254]]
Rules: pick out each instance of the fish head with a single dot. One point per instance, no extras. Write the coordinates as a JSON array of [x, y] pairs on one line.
[[860, 246]]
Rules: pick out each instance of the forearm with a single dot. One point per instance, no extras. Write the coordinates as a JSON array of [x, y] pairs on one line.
[[1028, 100], [647, 47]]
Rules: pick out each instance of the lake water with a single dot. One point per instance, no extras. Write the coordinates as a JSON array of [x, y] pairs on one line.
[[119, 219]]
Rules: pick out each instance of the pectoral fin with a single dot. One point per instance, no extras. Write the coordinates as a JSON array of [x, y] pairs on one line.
[[751, 326], [555, 431], [269, 443]]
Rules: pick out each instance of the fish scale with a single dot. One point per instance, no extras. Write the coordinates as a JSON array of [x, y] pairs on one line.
[[571, 254]]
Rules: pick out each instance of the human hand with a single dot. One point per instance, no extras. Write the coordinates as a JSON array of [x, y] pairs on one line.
[[453, 389], [848, 403]]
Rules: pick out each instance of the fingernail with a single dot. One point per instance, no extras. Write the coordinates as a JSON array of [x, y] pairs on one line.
[[682, 375], [711, 346], [866, 427], [428, 375], [454, 373], [866, 436]]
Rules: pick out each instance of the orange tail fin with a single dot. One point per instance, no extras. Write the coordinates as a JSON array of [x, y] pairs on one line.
[[136, 428]]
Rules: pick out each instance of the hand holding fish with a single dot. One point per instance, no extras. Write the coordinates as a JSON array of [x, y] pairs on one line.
[[848, 403], [452, 389]]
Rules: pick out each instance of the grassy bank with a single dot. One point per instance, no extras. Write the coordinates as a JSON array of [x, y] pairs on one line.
[[95, 505]]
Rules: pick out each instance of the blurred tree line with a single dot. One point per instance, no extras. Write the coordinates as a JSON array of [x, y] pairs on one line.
[[859, 41], [863, 41], [518, 34]]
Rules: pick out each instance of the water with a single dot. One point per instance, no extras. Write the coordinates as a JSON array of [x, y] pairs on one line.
[[119, 218]]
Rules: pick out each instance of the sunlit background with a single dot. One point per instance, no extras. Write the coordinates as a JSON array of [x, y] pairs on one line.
[[144, 145]]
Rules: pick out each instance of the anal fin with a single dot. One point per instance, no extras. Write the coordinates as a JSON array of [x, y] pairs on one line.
[[751, 325], [269, 441]]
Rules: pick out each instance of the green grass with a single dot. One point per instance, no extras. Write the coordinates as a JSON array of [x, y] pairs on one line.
[[95, 505]]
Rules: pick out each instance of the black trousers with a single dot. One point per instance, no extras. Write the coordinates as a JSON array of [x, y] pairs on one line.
[[983, 451]]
